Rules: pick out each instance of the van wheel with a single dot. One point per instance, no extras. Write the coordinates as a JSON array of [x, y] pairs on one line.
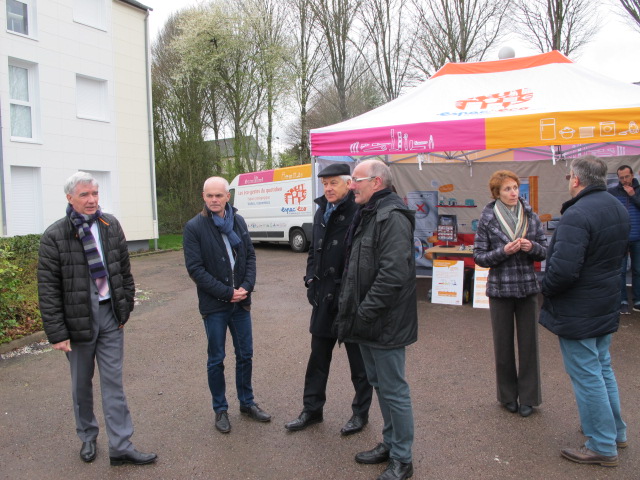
[[298, 241]]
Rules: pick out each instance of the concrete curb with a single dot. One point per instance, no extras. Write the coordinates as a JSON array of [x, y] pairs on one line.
[[22, 342]]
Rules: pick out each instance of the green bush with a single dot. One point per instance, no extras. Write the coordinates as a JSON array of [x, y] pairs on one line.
[[19, 313]]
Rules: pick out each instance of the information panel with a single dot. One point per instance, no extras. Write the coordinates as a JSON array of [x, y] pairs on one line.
[[448, 276], [480, 299]]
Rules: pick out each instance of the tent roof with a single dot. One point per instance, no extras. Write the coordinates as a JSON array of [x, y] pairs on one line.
[[522, 102]]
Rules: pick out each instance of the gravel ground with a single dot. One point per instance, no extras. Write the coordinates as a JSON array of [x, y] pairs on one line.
[[461, 431]]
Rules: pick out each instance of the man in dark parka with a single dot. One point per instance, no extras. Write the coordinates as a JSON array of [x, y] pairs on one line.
[[325, 264], [581, 289]]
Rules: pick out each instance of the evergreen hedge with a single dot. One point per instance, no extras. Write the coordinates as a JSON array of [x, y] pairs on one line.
[[19, 312]]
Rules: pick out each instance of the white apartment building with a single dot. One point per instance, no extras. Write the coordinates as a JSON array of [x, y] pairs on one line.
[[75, 94]]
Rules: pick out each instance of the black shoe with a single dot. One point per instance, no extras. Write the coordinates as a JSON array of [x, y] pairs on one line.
[[135, 457], [525, 410], [88, 451], [255, 412], [636, 307], [377, 455], [355, 424], [303, 421], [511, 406], [222, 422], [396, 470]]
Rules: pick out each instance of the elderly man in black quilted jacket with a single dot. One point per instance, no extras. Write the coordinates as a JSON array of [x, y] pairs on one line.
[[581, 287], [86, 290]]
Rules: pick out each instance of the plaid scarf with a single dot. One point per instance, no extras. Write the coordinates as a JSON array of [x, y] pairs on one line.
[[83, 224], [513, 222]]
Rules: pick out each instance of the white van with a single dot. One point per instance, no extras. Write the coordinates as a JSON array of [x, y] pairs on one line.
[[276, 204]]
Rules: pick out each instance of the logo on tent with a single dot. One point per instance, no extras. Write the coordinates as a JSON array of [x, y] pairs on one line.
[[496, 100]]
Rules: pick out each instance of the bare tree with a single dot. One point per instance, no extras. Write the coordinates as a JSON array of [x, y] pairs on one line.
[[335, 19], [632, 8], [182, 160], [364, 95], [457, 30], [218, 39], [304, 61], [564, 25], [267, 19], [390, 38]]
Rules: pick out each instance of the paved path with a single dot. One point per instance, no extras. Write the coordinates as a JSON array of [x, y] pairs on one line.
[[461, 431]]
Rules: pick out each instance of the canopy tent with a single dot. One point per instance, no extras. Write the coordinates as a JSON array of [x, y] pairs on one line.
[[542, 100], [494, 115]]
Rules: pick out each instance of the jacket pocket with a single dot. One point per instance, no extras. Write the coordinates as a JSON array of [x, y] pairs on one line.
[[367, 328]]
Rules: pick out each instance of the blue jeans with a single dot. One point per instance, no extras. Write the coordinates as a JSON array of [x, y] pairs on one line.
[[588, 364], [634, 252], [239, 322], [385, 370]]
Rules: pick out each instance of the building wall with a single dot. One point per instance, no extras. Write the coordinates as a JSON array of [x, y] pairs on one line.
[[133, 130], [114, 147]]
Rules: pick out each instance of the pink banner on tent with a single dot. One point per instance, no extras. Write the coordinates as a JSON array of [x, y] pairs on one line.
[[410, 138]]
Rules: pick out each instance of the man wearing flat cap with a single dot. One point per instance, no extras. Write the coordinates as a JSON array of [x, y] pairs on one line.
[[325, 265]]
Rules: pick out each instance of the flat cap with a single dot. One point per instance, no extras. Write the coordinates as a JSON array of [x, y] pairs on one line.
[[335, 170]]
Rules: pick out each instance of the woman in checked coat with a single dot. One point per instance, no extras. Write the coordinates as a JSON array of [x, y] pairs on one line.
[[509, 240]]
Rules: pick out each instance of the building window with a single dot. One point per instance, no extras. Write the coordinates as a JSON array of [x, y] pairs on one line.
[[91, 98], [22, 98], [90, 12], [21, 16]]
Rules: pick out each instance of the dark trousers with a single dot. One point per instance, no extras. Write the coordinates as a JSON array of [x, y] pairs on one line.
[[522, 382], [315, 380]]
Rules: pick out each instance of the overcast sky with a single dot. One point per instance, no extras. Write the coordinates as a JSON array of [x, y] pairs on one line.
[[615, 51]]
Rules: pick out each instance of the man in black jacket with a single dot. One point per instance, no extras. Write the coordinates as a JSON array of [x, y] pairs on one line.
[[86, 290], [325, 264], [220, 259], [378, 309], [581, 289]]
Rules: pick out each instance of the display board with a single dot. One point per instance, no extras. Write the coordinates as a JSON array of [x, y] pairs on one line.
[[480, 299], [447, 283]]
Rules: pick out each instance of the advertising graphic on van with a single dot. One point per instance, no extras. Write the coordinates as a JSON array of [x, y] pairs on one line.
[[276, 204]]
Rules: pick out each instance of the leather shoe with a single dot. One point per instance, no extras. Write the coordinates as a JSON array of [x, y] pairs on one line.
[[222, 422], [378, 454], [303, 421], [355, 424], [255, 412], [511, 406], [135, 457], [584, 455], [525, 410], [396, 470], [88, 451]]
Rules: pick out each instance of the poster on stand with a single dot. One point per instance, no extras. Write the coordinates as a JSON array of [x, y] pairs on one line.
[[448, 277], [480, 299]]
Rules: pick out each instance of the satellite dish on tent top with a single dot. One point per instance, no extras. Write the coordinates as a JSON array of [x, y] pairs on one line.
[[506, 52]]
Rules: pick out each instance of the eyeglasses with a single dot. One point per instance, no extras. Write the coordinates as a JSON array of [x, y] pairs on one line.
[[361, 179], [568, 176]]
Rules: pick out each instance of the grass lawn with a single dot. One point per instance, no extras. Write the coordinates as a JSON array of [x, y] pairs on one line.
[[168, 242]]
